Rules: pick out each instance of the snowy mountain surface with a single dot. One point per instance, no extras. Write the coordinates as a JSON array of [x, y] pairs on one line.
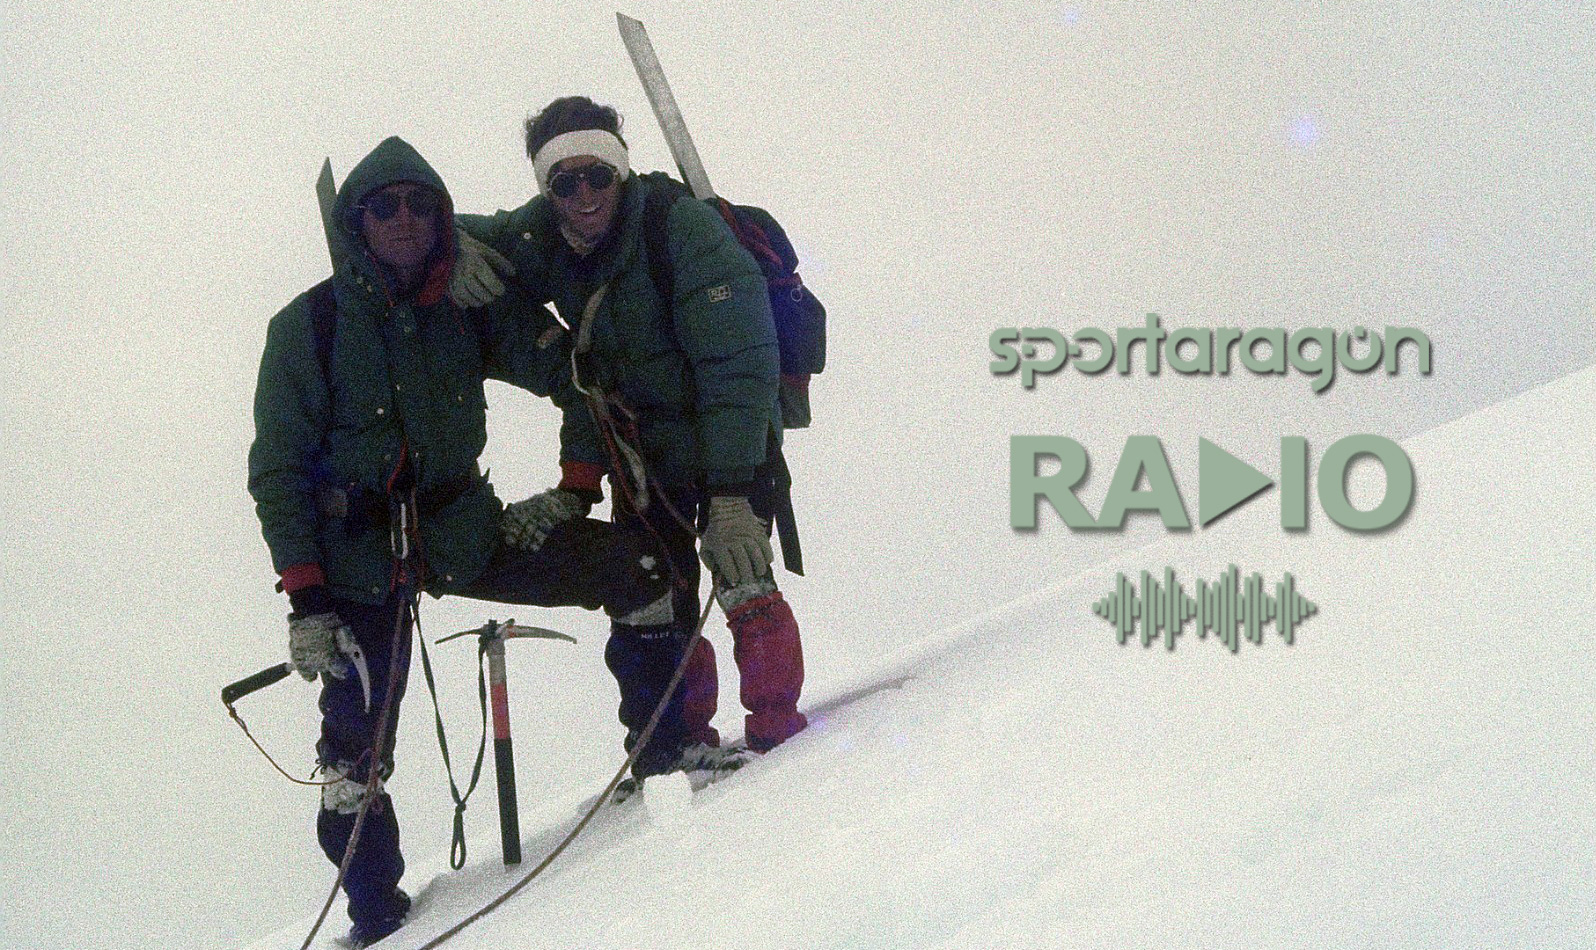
[[1415, 771]]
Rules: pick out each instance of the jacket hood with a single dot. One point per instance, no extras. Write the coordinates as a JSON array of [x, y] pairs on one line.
[[394, 160]]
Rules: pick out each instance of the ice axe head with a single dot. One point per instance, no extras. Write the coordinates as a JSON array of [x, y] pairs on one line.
[[509, 630], [357, 659]]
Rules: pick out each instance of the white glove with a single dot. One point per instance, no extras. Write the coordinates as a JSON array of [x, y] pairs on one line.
[[313, 644], [736, 544], [527, 524], [477, 269]]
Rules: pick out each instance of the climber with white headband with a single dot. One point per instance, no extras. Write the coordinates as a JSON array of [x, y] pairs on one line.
[[687, 385]]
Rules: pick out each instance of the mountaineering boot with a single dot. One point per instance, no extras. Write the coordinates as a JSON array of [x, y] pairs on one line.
[[719, 759], [624, 789], [658, 758], [770, 660], [705, 765], [367, 932]]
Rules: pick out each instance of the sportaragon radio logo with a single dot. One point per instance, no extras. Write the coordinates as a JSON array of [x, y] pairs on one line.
[[1229, 608]]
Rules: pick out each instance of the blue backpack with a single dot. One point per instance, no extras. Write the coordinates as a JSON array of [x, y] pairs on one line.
[[800, 317]]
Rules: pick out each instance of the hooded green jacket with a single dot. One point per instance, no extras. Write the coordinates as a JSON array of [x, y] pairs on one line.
[[404, 388], [700, 372]]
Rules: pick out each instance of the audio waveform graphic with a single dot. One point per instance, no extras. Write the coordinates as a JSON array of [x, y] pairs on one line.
[[1229, 608]]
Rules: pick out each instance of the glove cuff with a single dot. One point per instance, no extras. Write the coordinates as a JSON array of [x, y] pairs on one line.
[[309, 601], [728, 501], [737, 490], [575, 504]]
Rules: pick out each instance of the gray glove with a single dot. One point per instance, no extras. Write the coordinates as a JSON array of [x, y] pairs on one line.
[[313, 644], [527, 524], [477, 269], [736, 544]]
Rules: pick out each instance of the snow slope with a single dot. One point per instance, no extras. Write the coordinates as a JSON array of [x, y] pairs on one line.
[[1416, 771]]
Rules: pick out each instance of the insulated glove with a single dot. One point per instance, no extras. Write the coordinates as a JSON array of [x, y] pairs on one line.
[[527, 524], [736, 544], [475, 281], [313, 643]]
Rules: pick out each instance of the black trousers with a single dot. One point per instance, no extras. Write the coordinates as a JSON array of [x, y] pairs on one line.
[[583, 563], [346, 745], [643, 658]]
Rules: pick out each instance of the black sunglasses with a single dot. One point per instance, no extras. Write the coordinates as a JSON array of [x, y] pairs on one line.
[[566, 184], [385, 204]]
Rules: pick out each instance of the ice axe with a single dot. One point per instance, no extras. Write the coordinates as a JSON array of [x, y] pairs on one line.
[[490, 643], [233, 692]]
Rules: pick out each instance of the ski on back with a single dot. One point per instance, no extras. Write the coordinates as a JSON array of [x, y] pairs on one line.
[[652, 74], [327, 198]]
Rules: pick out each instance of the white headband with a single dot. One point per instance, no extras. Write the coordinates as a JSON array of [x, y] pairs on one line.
[[605, 146]]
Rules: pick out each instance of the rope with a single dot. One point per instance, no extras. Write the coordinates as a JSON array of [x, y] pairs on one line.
[[405, 517], [604, 796], [597, 404], [623, 458], [297, 781], [410, 554]]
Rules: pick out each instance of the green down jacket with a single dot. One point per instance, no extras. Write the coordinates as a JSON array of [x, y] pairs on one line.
[[405, 381], [700, 373]]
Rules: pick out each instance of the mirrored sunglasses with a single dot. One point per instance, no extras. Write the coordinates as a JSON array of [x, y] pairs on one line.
[[423, 202], [566, 184]]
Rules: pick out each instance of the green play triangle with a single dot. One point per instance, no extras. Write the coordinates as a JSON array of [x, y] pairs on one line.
[[1223, 481]]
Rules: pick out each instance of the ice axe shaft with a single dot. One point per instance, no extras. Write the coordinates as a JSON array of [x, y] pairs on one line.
[[327, 200], [503, 754], [233, 692], [641, 50]]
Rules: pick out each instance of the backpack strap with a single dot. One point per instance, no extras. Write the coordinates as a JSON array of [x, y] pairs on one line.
[[323, 324], [778, 273], [656, 235]]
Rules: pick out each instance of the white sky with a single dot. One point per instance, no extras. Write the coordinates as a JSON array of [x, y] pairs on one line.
[[944, 173]]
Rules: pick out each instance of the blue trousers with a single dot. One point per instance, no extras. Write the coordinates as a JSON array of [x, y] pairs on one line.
[[347, 733]]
